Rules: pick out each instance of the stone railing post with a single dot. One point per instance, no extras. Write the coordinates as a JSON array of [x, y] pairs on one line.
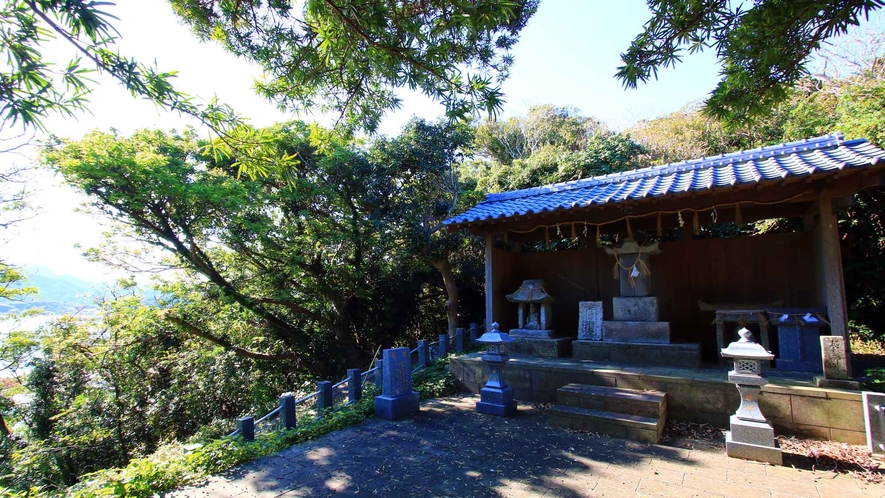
[[473, 331], [354, 385], [379, 373], [423, 353], [459, 340], [443, 345], [287, 411], [325, 398], [246, 425]]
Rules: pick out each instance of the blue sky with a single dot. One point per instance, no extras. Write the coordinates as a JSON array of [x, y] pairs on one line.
[[567, 55]]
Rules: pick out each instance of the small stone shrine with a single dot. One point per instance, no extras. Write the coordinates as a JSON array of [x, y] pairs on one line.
[[535, 335], [751, 436], [397, 400], [636, 334]]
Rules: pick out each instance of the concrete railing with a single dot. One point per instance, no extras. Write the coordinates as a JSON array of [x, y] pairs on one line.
[[350, 389]]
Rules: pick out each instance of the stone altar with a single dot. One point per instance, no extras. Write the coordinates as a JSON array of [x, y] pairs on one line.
[[636, 329]]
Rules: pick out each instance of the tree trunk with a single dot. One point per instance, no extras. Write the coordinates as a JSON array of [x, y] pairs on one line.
[[4, 430], [453, 302]]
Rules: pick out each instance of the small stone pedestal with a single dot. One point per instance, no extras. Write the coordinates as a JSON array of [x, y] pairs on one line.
[[496, 398], [397, 399], [751, 436]]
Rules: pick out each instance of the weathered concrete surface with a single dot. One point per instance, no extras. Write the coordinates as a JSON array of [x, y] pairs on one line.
[[661, 355], [795, 407], [635, 309], [450, 450], [642, 332]]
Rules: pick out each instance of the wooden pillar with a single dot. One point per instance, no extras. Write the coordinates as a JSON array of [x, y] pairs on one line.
[[833, 281], [490, 242], [834, 284]]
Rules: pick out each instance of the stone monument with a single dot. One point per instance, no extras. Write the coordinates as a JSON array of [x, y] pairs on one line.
[[751, 436], [636, 334], [590, 320], [397, 399], [837, 370], [535, 335]]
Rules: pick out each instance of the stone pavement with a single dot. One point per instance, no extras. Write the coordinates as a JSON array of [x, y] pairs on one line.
[[450, 450]]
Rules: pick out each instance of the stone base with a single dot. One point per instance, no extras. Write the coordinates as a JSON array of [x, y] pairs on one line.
[[665, 355], [394, 408], [746, 451], [640, 332], [635, 309], [495, 401], [533, 333], [851, 385], [560, 347]]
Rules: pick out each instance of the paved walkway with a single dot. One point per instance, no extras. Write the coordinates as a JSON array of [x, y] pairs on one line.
[[450, 450]]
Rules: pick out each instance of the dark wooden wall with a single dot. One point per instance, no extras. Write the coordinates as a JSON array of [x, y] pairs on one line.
[[754, 269]]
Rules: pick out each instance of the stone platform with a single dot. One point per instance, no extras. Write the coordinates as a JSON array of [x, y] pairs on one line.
[[661, 354], [792, 402], [559, 347]]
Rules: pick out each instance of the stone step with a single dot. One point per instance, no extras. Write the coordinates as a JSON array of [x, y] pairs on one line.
[[652, 404], [634, 427]]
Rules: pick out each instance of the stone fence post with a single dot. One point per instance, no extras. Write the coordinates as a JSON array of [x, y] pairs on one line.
[[459, 340], [354, 385], [325, 398], [474, 330], [246, 425], [287, 411], [443, 345], [379, 373], [423, 353]]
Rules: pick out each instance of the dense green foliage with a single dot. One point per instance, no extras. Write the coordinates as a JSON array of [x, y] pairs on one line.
[[763, 46], [349, 56]]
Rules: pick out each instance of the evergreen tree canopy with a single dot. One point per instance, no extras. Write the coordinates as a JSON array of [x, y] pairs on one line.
[[763, 46]]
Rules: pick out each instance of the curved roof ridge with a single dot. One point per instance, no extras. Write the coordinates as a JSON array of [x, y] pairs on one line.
[[764, 152]]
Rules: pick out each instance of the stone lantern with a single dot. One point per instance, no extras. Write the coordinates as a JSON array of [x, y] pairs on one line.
[[751, 436], [496, 398]]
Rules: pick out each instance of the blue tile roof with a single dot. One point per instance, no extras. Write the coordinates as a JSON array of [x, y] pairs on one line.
[[807, 157]]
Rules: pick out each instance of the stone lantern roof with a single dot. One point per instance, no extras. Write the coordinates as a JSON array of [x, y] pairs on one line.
[[531, 291], [746, 348]]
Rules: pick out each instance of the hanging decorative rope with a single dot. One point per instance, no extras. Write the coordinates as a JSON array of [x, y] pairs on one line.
[[505, 235], [598, 237], [636, 269], [696, 224], [629, 229], [558, 231], [574, 234], [714, 215]]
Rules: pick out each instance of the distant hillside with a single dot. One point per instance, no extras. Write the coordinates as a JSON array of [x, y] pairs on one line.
[[57, 293]]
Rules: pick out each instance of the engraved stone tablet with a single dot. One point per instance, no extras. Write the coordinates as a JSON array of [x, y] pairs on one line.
[[590, 320]]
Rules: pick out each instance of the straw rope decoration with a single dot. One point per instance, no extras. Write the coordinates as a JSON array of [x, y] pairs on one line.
[[636, 269], [738, 219]]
